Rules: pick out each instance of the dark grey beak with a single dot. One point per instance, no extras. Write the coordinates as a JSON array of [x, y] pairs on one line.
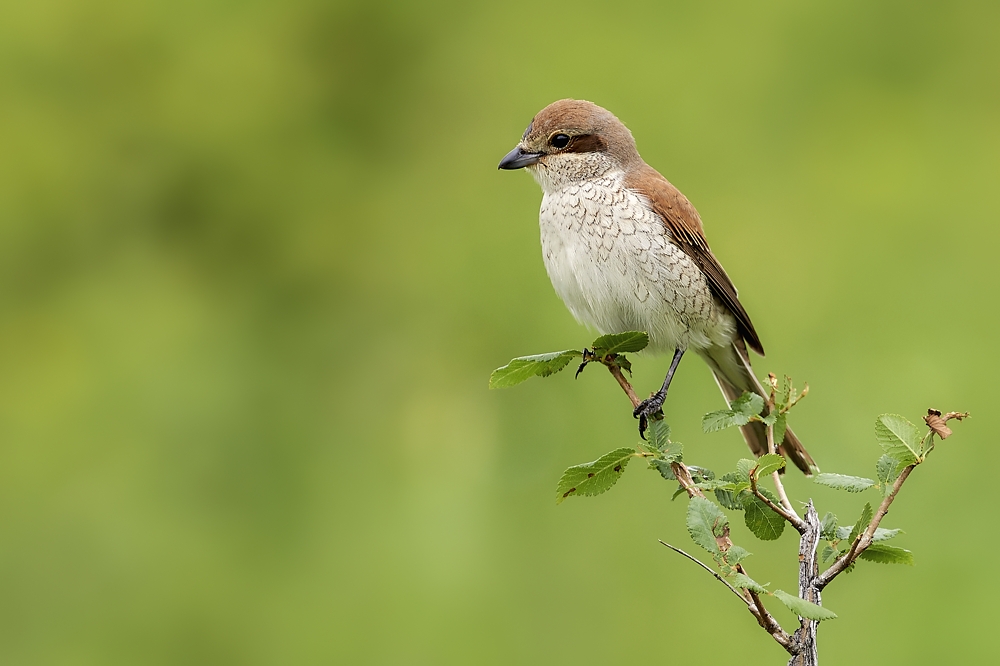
[[517, 159]]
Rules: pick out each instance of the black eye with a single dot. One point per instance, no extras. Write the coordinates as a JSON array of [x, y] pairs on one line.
[[559, 141]]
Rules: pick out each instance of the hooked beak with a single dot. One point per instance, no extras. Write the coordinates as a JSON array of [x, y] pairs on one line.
[[517, 159]]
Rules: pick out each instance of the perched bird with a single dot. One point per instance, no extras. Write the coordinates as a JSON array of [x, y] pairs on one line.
[[626, 251]]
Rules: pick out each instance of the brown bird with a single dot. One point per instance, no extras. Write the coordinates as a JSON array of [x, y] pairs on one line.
[[626, 251]]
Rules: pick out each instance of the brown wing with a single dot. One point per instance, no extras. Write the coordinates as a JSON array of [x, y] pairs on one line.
[[682, 221]]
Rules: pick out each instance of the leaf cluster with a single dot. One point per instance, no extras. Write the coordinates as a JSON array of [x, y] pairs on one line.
[[607, 350]]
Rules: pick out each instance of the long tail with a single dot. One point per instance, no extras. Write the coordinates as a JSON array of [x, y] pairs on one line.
[[733, 374]]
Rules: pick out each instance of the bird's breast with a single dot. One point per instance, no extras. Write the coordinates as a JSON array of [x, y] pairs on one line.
[[612, 262]]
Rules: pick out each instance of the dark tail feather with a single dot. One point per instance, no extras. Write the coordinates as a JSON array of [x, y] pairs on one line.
[[734, 364]]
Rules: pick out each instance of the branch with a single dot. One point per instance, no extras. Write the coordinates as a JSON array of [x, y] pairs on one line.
[[616, 372], [706, 568], [792, 518], [804, 645], [680, 470], [863, 540], [776, 477]]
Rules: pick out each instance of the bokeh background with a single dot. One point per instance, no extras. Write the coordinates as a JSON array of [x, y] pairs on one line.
[[256, 265]]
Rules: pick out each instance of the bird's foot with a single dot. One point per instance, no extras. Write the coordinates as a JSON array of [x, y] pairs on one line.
[[650, 408]]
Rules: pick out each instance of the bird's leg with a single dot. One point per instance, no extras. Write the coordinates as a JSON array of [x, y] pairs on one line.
[[654, 404]]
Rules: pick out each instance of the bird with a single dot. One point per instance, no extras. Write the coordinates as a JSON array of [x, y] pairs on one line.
[[626, 251]]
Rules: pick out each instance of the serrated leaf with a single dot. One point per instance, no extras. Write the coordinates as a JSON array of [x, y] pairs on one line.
[[765, 524], [743, 467], [884, 554], [852, 484], [663, 467], [899, 438], [620, 343], [886, 470], [804, 608], [770, 418], [622, 362], [673, 452], [705, 522], [859, 527], [827, 554], [736, 554], [526, 367], [768, 463], [780, 425], [659, 434], [720, 420], [784, 395], [880, 533], [829, 526], [699, 473], [742, 581], [728, 496], [659, 439], [884, 535], [748, 405], [596, 477]]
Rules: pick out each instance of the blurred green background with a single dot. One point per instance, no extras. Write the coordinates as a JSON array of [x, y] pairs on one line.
[[256, 265]]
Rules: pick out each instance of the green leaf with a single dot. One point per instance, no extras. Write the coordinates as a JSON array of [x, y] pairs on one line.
[[659, 439], [705, 522], [783, 396], [748, 405], [829, 526], [594, 478], [852, 484], [780, 425], [742, 581], [884, 554], [619, 343], [743, 467], [730, 498], [622, 362], [899, 438], [736, 554], [673, 452], [720, 420], [887, 469], [884, 535], [765, 524], [700, 473], [804, 608], [663, 467], [770, 418], [828, 553], [859, 527], [770, 462], [526, 367]]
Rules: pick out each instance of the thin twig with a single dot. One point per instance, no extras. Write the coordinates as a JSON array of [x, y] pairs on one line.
[[793, 519], [778, 485], [616, 372], [704, 566], [863, 540], [683, 474]]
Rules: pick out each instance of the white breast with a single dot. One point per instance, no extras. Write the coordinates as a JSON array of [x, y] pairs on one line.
[[611, 261]]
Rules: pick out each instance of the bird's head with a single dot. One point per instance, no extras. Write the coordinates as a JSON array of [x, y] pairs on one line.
[[570, 141]]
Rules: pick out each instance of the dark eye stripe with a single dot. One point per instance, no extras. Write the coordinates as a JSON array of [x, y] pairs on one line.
[[587, 143]]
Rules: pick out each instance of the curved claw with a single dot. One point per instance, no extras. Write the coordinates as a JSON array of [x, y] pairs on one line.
[[648, 409]]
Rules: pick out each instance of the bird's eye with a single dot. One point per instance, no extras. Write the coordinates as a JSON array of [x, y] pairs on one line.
[[559, 141]]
